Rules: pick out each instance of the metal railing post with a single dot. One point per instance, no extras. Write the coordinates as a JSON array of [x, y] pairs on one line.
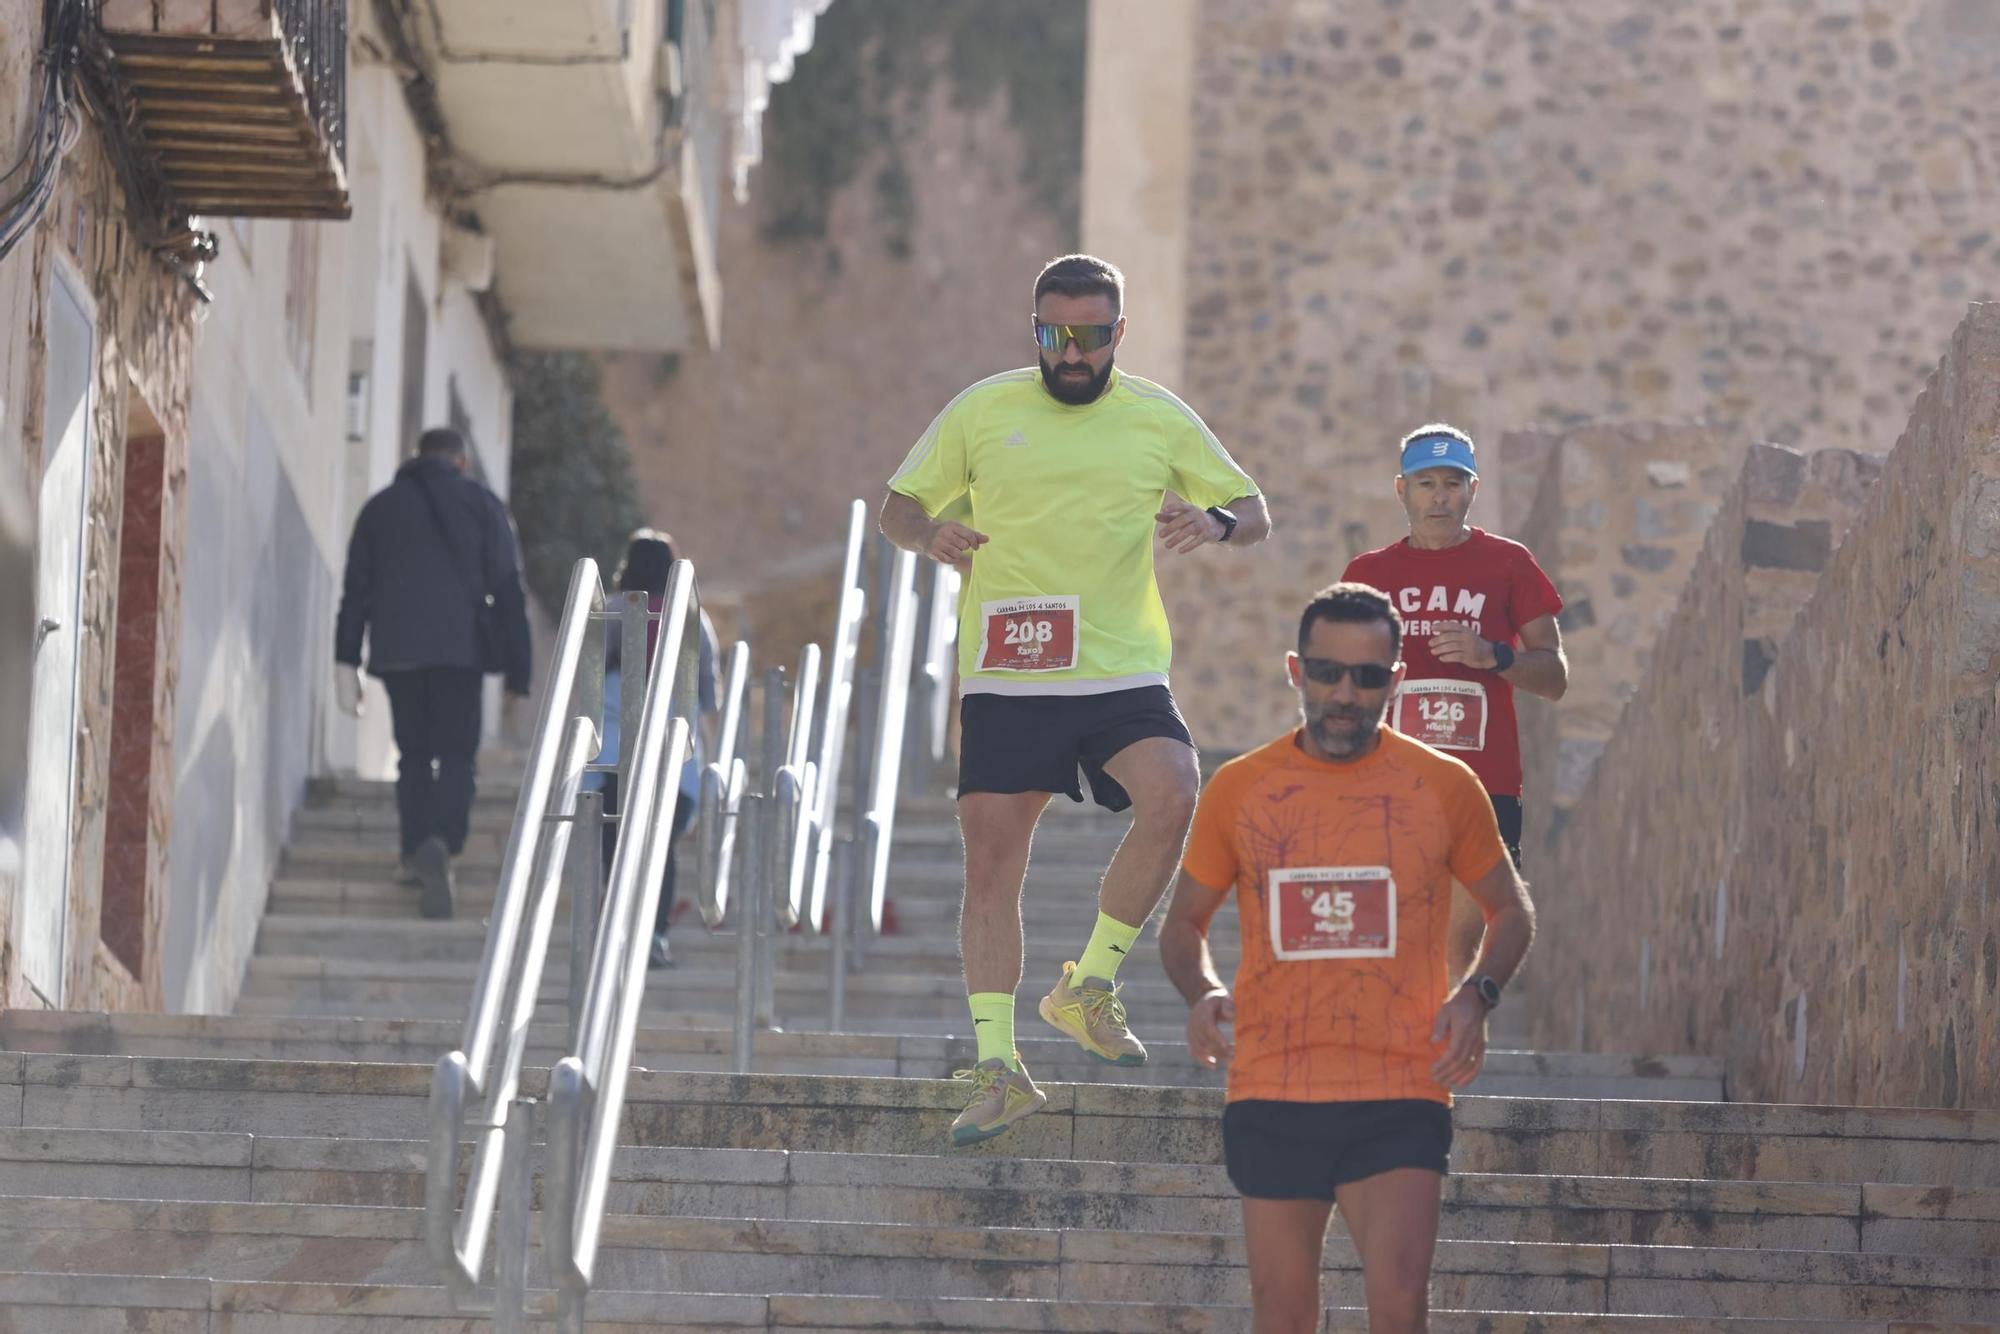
[[517, 1190], [749, 877], [773, 851], [583, 877], [633, 620], [843, 913]]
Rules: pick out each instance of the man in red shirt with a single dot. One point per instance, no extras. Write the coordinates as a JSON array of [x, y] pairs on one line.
[[1480, 621]]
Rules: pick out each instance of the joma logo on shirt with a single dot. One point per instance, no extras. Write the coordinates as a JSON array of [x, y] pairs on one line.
[[1412, 600]]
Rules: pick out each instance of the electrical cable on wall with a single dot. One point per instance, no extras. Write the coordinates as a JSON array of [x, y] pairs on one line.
[[56, 125]]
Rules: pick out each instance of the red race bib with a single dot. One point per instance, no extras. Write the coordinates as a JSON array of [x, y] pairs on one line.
[[1028, 635], [1444, 714], [1332, 912]]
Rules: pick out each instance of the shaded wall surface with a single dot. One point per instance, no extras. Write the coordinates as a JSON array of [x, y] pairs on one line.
[[857, 305], [1767, 216], [1790, 852], [1616, 519]]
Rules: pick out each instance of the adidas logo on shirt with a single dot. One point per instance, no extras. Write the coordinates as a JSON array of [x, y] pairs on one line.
[[1017, 441]]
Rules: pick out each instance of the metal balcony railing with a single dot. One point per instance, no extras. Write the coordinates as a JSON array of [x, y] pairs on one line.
[[238, 109]]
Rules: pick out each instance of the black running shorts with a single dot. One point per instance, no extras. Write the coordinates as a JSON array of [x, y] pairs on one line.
[[1036, 743], [1304, 1150]]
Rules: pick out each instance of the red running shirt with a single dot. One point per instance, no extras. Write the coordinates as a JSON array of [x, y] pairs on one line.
[[1495, 586]]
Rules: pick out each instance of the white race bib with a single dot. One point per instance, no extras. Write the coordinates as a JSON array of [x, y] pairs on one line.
[[1332, 912]]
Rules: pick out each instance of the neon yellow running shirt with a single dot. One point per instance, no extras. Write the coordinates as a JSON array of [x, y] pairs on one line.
[[1062, 598]]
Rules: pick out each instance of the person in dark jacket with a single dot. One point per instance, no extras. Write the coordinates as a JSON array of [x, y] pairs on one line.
[[434, 581]]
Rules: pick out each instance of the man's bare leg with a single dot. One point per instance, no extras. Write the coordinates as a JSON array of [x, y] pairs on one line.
[[999, 830], [1284, 1239], [1160, 775], [1393, 1219]]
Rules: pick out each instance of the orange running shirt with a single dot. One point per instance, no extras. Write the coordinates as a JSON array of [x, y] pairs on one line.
[[1342, 875]]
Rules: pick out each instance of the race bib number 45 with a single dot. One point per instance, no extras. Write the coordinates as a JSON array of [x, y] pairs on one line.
[[1028, 635], [1450, 715], [1332, 912]]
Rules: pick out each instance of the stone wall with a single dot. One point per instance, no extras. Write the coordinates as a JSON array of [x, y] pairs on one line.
[[1766, 216], [1616, 520], [1790, 854], [144, 354]]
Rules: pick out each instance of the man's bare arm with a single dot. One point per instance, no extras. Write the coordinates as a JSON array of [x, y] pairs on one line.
[[906, 523], [1253, 520], [1184, 939], [1539, 666], [1510, 922]]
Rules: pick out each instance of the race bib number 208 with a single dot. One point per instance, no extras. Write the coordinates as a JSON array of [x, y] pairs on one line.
[[1332, 912], [1028, 634]]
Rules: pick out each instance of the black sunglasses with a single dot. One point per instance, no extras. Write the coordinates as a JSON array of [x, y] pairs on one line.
[[1327, 672], [1087, 337]]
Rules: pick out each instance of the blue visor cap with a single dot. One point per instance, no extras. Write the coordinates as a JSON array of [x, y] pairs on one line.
[[1438, 451]]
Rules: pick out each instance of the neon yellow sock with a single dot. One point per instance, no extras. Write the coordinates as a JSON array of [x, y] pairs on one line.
[[993, 1025], [1110, 941]]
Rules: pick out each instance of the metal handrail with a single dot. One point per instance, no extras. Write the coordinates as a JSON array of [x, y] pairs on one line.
[[934, 676], [723, 781], [795, 786], [849, 614], [885, 766], [482, 1069], [587, 1087]]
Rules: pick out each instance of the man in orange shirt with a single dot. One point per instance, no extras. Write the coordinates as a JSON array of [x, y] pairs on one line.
[[1340, 841]]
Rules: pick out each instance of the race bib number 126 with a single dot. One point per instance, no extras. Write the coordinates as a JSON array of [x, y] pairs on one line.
[[1028, 635], [1447, 714], [1332, 912]]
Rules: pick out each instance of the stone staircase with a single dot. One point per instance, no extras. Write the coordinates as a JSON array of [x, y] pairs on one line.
[[262, 1172]]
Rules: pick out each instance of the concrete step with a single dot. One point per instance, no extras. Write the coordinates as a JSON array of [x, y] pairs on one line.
[[915, 871], [463, 940], [344, 1244], [72, 1304], [1507, 1072], [1706, 1141], [311, 986], [1009, 1193]]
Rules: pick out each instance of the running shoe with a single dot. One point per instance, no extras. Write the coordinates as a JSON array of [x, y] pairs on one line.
[[1091, 1013], [1001, 1097]]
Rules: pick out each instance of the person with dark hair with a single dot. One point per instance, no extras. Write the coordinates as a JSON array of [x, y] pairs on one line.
[[1064, 473], [647, 567], [1470, 599], [433, 583], [1340, 842]]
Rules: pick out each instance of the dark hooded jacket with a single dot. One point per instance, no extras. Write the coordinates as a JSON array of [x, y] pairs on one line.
[[419, 544]]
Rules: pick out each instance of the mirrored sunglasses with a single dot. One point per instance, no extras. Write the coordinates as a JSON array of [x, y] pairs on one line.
[[1087, 337]]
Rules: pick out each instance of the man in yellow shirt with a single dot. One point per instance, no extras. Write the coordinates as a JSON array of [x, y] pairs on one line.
[[1070, 468]]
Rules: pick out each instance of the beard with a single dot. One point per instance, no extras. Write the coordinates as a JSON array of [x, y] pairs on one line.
[[1072, 391], [1343, 731]]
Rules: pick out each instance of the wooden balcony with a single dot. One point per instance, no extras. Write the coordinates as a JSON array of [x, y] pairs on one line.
[[240, 104]]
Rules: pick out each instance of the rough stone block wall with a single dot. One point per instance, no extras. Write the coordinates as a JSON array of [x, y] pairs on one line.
[[145, 348], [1790, 854], [1767, 216], [1617, 518]]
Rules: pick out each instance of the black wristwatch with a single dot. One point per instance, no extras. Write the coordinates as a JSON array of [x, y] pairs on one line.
[[1487, 990], [1228, 522], [1503, 655]]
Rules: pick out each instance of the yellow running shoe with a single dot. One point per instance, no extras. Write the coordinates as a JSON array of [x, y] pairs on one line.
[[1092, 1014], [1002, 1097]]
